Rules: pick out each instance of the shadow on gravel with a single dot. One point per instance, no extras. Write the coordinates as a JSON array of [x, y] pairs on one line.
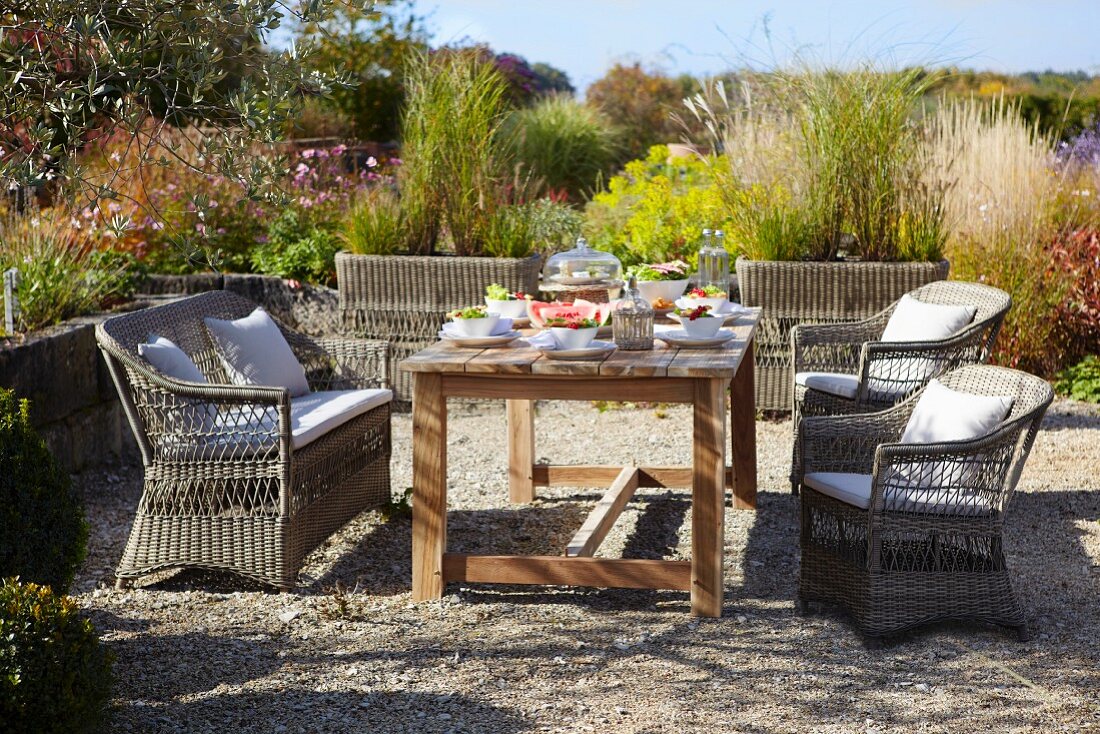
[[384, 553], [296, 710]]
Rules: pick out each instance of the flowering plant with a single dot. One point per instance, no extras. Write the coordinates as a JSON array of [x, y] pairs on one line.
[[699, 312], [496, 292], [473, 312], [673, 270], [571, 322], [710, 291]]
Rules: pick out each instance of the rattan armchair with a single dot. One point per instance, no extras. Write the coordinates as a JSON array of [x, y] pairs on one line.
[[857, 373], [225, 487], [912, 556]]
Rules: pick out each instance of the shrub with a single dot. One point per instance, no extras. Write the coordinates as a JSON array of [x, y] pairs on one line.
[[55, 676], [640, 103], [568, 148], [376, 225], [653, 212], [42, 528], [520, 230], [62, 274], [453, 165], [1081, 381], [1016, 224], [298, 247]]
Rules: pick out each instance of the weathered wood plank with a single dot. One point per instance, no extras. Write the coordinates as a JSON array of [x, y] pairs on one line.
[[429, 521], [669, 477], [649, 363], [708, 497], [602, 518], [552, 387], [521, 450], [439, 357], [514, 359], [609, 573], [743, 433]]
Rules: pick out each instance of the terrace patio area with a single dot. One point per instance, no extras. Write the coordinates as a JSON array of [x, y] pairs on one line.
[[348, 650]]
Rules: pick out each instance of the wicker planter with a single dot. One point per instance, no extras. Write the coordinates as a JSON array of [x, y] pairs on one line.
[[404, 298], [813, 293]]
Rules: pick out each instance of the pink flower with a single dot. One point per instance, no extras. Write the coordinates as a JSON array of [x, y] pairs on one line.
[[339, 150], [372, 162]]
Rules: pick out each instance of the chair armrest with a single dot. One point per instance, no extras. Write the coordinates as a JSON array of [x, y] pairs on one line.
[[950, 478], [848, 443], [889, 370], [188, 422], [834, 347], [343, 363]]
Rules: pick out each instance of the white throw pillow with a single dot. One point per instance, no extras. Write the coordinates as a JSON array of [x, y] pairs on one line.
[[943, 414], [917, 321], [914, 321], [255, 352], [162, 353]]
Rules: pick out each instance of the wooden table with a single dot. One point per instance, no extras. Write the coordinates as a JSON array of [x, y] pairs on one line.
[[520, 375]]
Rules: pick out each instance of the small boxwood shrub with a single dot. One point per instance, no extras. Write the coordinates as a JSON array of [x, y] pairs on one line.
[[55, 676], [42, 528]]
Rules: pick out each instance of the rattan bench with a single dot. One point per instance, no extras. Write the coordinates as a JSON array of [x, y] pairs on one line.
[[225, 488]]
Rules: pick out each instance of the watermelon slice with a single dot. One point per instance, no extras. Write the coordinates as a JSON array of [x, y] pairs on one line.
[[540, 312]]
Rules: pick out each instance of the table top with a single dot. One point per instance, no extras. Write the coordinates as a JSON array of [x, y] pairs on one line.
[[519, 358]]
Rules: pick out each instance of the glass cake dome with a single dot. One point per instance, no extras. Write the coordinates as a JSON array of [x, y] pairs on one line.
[[582, 266]]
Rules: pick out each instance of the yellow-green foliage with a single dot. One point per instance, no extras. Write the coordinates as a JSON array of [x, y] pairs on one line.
[[55, 677], [654, 210]]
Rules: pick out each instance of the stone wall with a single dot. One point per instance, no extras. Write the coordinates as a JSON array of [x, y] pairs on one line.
[[310, 309], [73, 400]]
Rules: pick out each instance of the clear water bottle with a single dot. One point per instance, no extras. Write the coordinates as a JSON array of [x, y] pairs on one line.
[[714, 262]]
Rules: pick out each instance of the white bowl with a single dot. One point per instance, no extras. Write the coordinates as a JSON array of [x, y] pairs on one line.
[[668, 290], [477, 327], [702, 328], [566, 338], [716, 304], [508, 309]]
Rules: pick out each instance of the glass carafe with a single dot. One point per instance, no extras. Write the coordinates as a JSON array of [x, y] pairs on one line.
[[632, 320]]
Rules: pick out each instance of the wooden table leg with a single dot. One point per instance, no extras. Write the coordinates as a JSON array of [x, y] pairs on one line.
[[708, 498], [743, 433], [429, 521], [521, 450]]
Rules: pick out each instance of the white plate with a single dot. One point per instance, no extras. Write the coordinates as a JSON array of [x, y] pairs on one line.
[[680, 338], [498, 340], [594, 351]]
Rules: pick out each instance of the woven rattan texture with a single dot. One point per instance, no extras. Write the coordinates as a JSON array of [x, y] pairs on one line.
[[403, 300], [816, 293], [223, 488], [890, 372], [917, 557]]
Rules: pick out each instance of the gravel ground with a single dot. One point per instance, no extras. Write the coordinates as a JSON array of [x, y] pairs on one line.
[[347, 651]]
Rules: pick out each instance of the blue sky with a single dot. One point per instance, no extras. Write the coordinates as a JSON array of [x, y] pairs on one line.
[[584, 37]]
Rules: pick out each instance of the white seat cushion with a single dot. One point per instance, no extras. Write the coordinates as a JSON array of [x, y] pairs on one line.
[[855, 490], [162, 353], [834, 383], [917, 321], [255, 352], [314, 415]]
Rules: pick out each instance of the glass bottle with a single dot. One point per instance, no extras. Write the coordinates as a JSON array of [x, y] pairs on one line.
[[632, 320], [714, 262]]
